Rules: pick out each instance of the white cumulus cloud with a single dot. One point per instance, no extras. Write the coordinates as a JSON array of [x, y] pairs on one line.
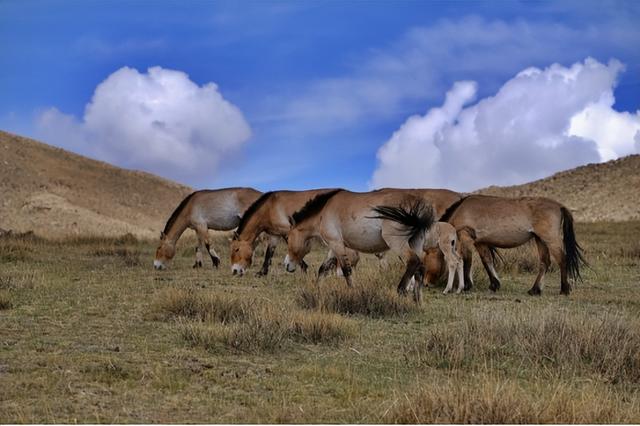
[[539, 122], [159, 121]]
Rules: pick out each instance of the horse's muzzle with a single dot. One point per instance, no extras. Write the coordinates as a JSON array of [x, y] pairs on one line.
[[237, 270], [288, 265]]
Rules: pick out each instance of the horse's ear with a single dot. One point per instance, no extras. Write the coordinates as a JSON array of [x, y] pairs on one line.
[[235, 236], [292, 222], [162, 235]]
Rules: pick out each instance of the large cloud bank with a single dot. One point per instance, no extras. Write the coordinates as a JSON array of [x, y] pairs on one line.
[[539, 122], [159, 121]]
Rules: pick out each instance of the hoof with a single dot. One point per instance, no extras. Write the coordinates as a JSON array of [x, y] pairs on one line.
[[565, 292], [494, 286], [198, 264], [216, 262], [535, 292], [262, 273]]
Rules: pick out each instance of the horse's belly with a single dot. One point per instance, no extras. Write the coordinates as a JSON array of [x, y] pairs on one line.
[[363, 238], [223, 220], [504, 238]]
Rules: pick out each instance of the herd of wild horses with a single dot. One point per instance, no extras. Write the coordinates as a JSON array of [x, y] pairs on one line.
[[428, 228]]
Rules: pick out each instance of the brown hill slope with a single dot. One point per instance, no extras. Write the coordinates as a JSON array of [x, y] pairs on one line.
[[56, 193], [607, 191]]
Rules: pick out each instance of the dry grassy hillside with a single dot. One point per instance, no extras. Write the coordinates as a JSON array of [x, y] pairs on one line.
[[609, 191], [56, 193]]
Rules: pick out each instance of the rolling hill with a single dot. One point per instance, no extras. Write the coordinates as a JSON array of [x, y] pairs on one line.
[[596, 192], [56, 193]]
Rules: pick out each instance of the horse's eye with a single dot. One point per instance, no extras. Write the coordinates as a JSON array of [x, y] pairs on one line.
[[236, 250]]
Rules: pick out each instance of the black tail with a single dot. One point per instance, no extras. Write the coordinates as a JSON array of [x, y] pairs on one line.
[[496, 256], [417, 217], [574, 257]]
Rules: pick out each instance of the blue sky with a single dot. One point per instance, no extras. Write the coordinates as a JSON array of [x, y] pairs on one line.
[[320, 94]]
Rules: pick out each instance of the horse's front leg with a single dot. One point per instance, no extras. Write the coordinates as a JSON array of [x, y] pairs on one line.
[[345, 266], [327, 266], [268, 255], [204, 246]]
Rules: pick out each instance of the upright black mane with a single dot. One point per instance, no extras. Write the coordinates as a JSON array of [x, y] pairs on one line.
[[177, 211], [313, 206], [451, 209], [251, 210]]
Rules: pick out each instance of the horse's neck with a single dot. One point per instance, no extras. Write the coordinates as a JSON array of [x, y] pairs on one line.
[[177, 229], [258, 222], [311, 227]]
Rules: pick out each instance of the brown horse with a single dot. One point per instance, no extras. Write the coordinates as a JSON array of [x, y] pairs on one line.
[[440, 200], [219, 209], [270, 214], [370, 222], [486, 222]]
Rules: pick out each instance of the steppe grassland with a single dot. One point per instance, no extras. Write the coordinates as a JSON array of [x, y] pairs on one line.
[[90, 333]]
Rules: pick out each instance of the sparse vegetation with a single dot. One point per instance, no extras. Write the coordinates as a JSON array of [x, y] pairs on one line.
[[88, 338], [216, 321], [545, 341], [487, 399], [373, 295]]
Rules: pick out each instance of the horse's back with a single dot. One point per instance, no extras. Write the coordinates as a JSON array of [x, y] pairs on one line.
[[221, 209]]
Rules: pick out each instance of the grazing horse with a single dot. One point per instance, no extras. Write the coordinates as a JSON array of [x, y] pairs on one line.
[[486, 221], [219, 209], [440, 200], [370, 222], [270, 214]]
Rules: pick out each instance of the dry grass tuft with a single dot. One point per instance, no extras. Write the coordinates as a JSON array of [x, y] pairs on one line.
[[129, 256], [198, 305], [217, 321], [549, 342], [5, 301], [484, 399], [372, 295], [20, 281], [18, 247], [267, 330]]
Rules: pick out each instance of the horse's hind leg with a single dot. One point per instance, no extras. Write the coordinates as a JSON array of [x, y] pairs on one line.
[[552, 240], [487, 262], [414, 265], [543, 253], [558, 255], [268, 255]]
